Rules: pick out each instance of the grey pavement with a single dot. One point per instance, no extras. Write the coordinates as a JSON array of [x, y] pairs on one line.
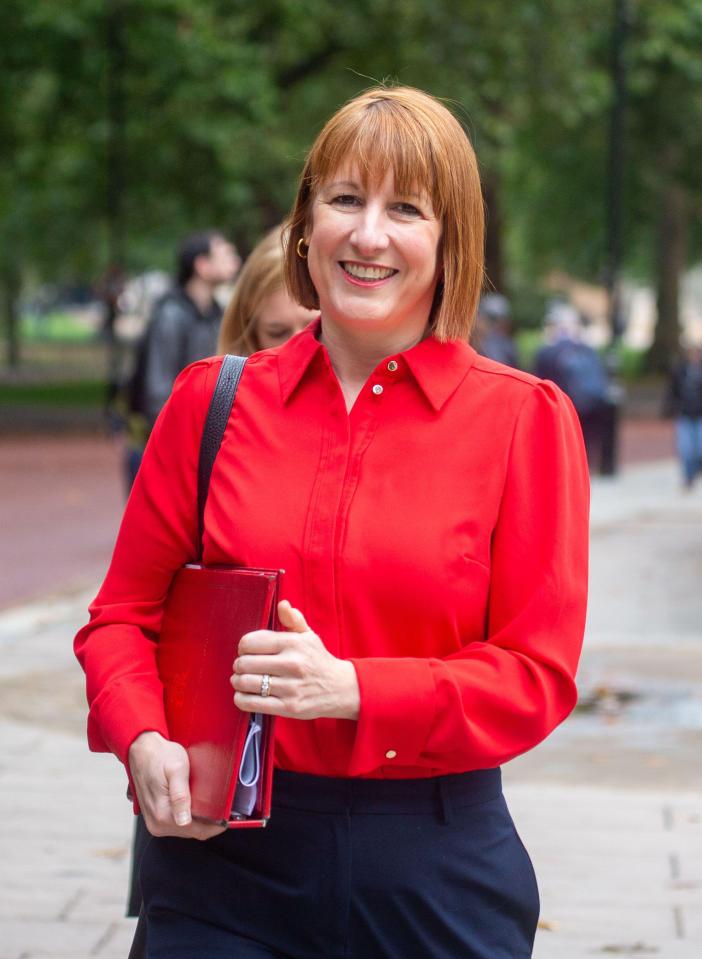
[[610, 807]]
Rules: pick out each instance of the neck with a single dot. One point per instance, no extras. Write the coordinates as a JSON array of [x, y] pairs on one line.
[[200, 292], [355, 354]]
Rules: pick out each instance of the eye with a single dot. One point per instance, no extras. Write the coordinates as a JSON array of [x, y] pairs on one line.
[[407, 209], [277, 334], [346, 199]]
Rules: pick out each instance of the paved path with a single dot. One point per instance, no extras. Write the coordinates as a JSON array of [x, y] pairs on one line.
[[610, 806]]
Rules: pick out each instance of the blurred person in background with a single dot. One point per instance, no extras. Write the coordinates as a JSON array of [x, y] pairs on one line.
[[493, 332], [684, 403], [183, 327], [261, 313], [578, 369]]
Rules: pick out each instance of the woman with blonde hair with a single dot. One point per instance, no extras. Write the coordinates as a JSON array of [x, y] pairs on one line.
[[429, 507], [261, 313]]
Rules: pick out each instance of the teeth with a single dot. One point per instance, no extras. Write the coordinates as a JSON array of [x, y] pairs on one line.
[[367, 272]]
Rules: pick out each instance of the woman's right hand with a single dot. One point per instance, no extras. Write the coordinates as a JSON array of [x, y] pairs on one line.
[[161, 772]]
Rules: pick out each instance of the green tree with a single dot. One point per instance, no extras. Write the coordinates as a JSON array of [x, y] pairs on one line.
[[127, 122], [666, 100]]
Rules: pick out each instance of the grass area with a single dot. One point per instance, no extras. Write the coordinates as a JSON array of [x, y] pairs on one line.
[[632, 364], [72, 393], [58, 327]]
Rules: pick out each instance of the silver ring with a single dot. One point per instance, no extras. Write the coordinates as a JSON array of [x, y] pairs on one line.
[[265, 685]]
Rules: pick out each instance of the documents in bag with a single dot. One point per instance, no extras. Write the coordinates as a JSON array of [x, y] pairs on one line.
[[231, 752]]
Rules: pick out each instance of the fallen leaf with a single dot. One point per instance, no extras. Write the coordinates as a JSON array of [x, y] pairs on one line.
[[114, 852]]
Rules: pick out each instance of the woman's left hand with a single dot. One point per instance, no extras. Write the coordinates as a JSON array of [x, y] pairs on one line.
[[305, 680]]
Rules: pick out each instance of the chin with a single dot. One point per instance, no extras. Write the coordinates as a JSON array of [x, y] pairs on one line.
[[364, 315]]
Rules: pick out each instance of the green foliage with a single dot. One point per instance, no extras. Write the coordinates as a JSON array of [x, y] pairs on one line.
[[84, 393], [126, 123], [528, 343]]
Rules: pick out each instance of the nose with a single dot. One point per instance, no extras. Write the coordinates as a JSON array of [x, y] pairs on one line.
[[370, 234]]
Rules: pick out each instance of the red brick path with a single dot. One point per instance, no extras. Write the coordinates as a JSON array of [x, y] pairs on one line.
[[60, 503]]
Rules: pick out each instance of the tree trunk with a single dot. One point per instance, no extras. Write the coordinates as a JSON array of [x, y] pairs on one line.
[[493, 234], [671, 248], [9, 297]]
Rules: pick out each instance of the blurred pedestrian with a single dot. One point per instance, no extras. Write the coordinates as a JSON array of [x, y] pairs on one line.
[[493, 333], [261, 313], [684, 403], [183, 327], [580, 372]]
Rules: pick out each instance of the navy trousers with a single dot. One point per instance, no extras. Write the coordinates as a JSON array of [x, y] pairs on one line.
[[351, 869]]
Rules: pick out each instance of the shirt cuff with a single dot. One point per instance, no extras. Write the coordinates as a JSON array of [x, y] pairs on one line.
[[398, 703], [116, 719]]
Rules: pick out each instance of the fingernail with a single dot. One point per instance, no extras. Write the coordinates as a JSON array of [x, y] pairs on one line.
[[182, 818]]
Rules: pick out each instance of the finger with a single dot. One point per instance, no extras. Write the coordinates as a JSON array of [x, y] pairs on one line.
[[292, 618], [258, 665], [154, 803], [177, 776], [261, 642], [251, 684], [249, 703], [201, 829]]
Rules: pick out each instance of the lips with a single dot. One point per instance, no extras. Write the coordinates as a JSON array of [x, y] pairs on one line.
[[369, 273]]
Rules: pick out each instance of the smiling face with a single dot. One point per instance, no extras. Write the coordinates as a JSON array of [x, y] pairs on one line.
[[373, 254]]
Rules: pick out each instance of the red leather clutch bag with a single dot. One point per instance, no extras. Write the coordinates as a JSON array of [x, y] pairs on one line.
[[208, 611]]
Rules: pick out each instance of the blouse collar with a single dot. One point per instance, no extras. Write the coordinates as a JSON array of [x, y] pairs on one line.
[[437, 368]]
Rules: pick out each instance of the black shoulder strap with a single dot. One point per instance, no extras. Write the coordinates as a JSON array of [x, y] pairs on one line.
[[215, 425]]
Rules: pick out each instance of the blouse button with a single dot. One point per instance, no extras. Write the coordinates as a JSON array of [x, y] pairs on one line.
[[392, 365], [390, 754], [377, 389]]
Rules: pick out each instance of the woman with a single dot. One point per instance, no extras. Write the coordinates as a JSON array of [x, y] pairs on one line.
[[429, 508], [261, 313]]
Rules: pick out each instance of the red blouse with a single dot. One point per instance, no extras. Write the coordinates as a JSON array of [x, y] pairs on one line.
[[436, 536]]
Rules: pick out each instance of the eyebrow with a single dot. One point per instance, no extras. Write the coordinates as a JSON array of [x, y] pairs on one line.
[[338, 184]]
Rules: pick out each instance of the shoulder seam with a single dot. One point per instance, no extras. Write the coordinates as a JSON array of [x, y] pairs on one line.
[[519, 376]]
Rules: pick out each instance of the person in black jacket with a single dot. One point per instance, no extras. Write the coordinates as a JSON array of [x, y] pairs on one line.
[[183, 327], [684, 403]]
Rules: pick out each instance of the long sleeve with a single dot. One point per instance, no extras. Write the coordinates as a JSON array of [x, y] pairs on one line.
[[157, 535], [497, 698]]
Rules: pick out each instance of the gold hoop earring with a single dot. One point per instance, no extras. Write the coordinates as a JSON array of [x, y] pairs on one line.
[[303, 256]]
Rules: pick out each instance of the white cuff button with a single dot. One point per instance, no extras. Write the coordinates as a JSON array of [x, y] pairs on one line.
[[377, 389], [390, 754]]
